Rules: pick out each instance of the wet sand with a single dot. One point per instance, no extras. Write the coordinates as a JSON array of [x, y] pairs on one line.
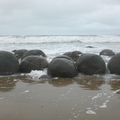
[[81, 98]]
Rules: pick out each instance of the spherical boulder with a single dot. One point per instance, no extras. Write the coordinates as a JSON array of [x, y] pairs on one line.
[[114, 64], [62, 67], [34, 52], [74, 55], [19, 53], [65, 56], [8, 63], [45, 77], [33, 63], [89, 46], [107, 52], [91, 64]]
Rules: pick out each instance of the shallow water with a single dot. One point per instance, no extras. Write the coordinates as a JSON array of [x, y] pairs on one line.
[[81, 98]]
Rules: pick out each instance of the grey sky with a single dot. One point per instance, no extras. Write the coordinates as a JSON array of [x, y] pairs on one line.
[[59, 17]]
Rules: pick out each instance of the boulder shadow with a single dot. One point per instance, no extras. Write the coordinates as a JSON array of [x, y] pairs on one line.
[[7, 83], [115, 85]]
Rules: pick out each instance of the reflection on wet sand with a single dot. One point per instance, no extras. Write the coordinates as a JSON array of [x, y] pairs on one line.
[[7, 84], [90, 82], [80, 98], [115, 85], [61, 82]]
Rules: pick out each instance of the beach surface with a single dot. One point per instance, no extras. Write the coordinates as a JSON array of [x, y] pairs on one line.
[[24, 97]]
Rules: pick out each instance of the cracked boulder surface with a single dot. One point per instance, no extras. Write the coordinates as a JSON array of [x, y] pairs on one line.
[[33, 63], [8, 63]]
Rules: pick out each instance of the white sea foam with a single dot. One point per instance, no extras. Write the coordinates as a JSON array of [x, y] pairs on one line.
[[97, 96], [116, 91], [104, 104], [60, 44], [26, 91], [91, 112], [36, 74]]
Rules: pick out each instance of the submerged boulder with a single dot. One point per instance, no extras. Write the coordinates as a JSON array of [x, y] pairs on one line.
[[89, 46], [33, 63], [34, 52], [114, 64], [91, 64], [74, 55], [45, 77], [62, 67], [107, 52], [19, 53], [8, 63]]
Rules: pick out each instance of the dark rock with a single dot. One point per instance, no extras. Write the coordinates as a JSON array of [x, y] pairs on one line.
[[8, 63], [62, 67], [114, 64], [33, 63], [34, 52], [19, 53], [64, 56], [91, 64], [74, 55], [45, 77], [107, 52], [89, 47], [14, 50]]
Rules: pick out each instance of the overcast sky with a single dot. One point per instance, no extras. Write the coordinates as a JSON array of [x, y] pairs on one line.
[[59, 17]]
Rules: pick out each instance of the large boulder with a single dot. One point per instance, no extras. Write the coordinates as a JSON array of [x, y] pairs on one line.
[[8, 63], [114, 64], [62, 67], [19, 53], [91, 64], [107, 52], [65, 56], [74, 54], [33, 63], [34, 52]]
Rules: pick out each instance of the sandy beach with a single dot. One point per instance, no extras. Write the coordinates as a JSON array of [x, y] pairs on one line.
[[81, 98]]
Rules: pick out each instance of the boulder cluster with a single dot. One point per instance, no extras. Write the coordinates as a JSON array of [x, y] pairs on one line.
[[68, 65]]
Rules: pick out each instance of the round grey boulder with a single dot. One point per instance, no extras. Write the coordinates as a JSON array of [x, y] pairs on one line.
[[114, 64], [74, 55], [34, 52], [45, 77], [65, 56], [19, 53], [107, 52], [8, 63], [62, 67], [33, 63], [89, 46], [91, 64]]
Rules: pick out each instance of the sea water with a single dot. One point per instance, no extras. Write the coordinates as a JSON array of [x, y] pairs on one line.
[[57, 45]]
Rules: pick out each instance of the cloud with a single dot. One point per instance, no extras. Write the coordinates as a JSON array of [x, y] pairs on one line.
[[59, 17]]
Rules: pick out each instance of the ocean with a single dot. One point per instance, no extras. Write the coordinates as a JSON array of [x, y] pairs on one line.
[[26, 97], [57, 45]]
